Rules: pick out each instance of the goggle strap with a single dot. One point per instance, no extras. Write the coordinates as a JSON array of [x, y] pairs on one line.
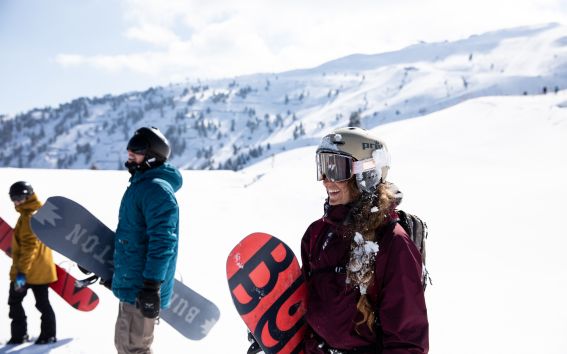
[[363, 165]]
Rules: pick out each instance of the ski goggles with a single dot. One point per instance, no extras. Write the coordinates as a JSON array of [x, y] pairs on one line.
[[18, 197], [337, 168]]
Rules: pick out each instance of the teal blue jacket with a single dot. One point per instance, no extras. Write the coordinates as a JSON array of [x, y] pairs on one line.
[[147, 234]]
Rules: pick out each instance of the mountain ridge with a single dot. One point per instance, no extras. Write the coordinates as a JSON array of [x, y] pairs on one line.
[[230, 123]]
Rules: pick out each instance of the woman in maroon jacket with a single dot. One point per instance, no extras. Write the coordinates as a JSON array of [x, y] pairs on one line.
[[364, 274]]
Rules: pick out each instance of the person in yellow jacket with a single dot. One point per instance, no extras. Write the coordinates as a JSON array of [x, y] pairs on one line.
[[32, 268]]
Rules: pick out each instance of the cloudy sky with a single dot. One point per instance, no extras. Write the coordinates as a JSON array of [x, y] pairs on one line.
[[54, 51]]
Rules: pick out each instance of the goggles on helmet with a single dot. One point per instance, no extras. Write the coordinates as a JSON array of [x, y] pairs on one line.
[[337, 168], [138, 145], [18, 197]]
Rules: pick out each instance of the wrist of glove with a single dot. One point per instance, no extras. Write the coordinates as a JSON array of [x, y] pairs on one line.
[[148, 300]]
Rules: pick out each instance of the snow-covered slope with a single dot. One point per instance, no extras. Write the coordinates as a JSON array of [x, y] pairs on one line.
[[488, 175], [234, 122]]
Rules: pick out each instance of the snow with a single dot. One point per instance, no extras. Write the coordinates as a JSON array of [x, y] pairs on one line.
[[363, 253], [487, 175], [225, 128]]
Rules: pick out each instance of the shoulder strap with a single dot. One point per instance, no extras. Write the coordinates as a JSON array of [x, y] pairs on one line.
[[416, 230]]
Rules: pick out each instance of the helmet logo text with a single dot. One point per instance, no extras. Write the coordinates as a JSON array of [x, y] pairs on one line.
[[374, 146]]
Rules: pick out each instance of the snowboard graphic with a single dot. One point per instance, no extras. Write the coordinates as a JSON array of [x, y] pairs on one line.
[[269, 292], [83, 299], [73, 231]]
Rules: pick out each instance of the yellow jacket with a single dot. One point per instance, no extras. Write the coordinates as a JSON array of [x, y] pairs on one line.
[[29, 255]]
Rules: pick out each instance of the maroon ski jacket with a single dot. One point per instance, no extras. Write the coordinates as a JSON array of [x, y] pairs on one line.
[[396, 294]]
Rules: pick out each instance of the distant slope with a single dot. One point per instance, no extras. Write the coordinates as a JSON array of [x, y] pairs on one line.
[[230, 123]]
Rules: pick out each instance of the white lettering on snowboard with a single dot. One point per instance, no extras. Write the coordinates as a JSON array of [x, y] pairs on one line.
[[89, 244], [181, 308]]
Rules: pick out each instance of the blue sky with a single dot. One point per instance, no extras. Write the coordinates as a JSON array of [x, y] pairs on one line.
[[54, 51]]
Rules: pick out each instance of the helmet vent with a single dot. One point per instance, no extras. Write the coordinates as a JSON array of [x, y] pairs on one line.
[[337, 139]]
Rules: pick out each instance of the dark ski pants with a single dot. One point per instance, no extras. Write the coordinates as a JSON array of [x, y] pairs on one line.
[[134, 333], [19, 326]]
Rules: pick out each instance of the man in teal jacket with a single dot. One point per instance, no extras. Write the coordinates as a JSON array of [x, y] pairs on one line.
[[146, 241]]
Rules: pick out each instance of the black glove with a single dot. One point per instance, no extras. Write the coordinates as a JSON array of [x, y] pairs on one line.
[[148, 300], [106, 283]]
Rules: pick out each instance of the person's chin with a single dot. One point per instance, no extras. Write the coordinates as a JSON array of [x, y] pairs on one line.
[[334, 201]]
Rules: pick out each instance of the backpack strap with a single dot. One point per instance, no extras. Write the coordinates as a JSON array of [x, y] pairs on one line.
[[417, 232]]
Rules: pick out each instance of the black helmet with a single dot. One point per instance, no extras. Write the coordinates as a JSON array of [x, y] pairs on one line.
[[20, 190], [150, 142]]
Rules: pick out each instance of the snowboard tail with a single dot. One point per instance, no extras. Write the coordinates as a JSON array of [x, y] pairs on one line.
[[73, 231], [66, 285], [83, 299], [269, 292]]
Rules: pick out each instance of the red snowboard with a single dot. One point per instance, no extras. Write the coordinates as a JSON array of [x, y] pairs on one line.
[[269, 292], [83, 299]]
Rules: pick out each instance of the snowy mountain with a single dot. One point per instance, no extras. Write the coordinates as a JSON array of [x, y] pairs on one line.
[[232, 123], [487, 175]]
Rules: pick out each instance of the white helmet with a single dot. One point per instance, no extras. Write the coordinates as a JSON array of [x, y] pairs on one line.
[[353, 151]]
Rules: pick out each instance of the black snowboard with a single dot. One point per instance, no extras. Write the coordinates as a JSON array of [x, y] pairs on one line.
[[68, 228]]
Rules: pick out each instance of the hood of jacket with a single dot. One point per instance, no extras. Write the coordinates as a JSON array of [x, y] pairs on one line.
[[165, 172]]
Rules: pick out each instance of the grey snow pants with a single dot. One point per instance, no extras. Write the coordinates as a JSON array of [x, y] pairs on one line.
[[133, 333]]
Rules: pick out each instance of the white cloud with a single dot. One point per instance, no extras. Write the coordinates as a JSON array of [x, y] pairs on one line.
[[226, 38], [144, 63], [153, 34], [69, 59]]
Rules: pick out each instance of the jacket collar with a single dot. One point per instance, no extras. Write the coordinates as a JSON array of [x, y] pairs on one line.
[[337, 214], [165, 172], [30, 205]]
